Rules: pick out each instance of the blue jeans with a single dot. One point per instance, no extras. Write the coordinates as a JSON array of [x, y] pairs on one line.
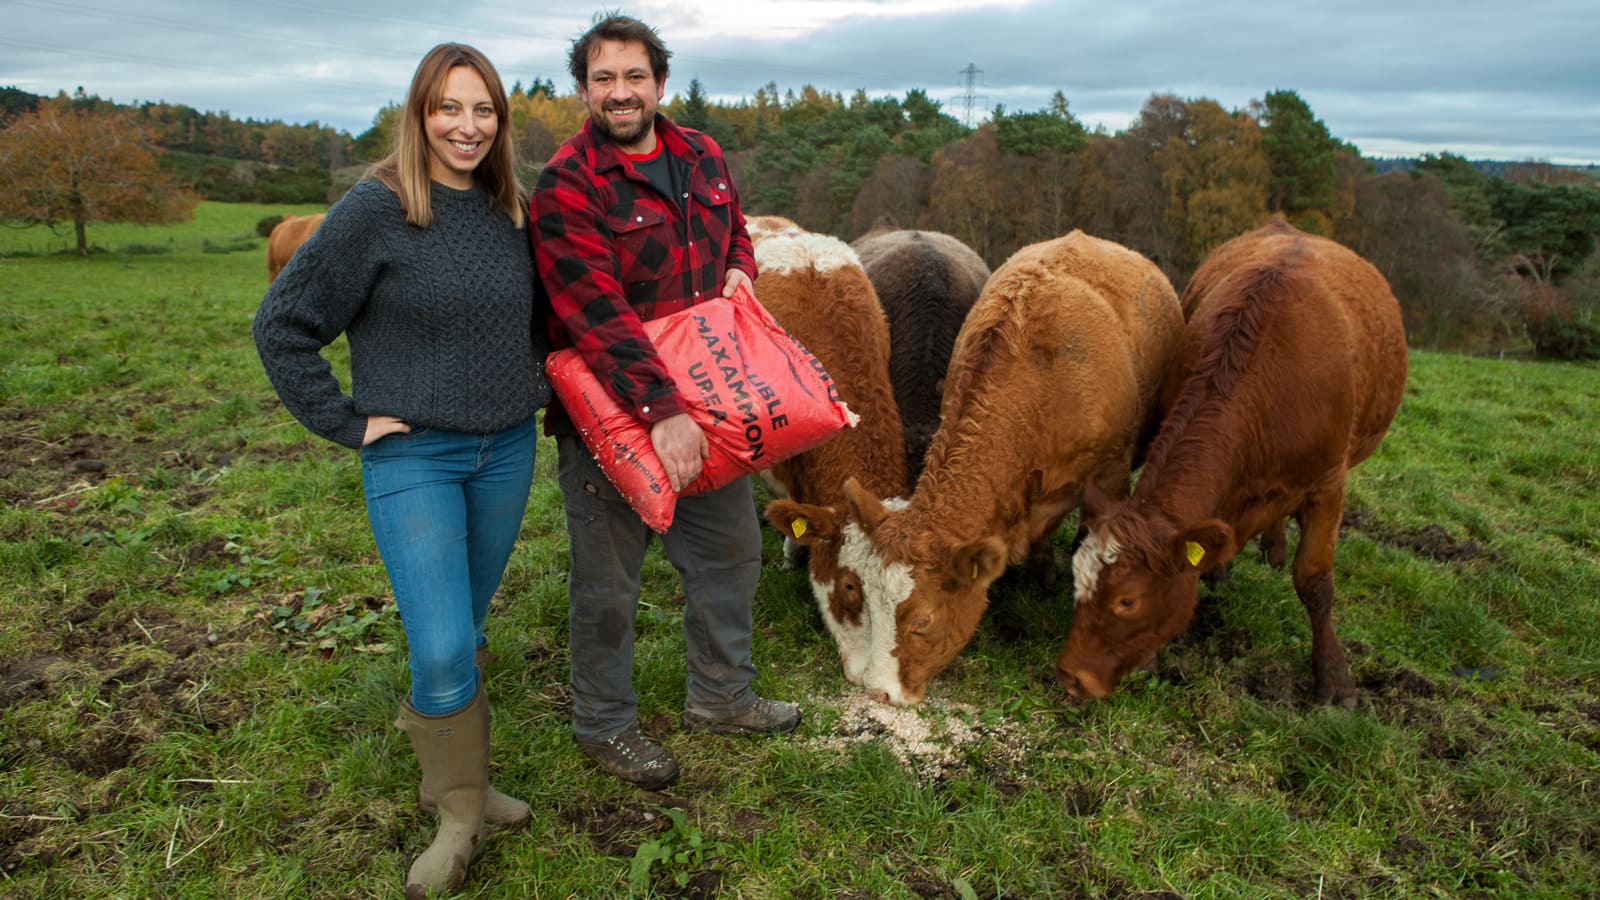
[[445, 509]]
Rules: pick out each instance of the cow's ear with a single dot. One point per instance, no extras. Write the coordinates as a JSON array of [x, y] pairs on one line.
[[865, 507], [1209, 544], [803, 522], [979, 562]]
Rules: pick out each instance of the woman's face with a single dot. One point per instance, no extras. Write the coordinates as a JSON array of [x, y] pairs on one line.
[[461, 131]]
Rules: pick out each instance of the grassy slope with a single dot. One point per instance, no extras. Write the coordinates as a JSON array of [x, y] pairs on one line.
[[199, 665]]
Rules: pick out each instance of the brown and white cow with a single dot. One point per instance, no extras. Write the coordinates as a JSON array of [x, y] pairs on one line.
[[816, 289], [1052, 384], [286, 237], [926, 282], [1293, 364]]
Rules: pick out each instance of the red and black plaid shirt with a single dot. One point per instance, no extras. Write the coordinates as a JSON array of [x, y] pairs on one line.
[[612, 252]]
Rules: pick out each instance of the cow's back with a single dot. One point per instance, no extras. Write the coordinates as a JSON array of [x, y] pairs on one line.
[[926, 282], [1337, 338], [815, 288], [286, 237], [1099, 320], [1055, 372]]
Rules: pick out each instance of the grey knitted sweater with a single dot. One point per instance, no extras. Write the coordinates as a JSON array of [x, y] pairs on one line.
[[440, 319]]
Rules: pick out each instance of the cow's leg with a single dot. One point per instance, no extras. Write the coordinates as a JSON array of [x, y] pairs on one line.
[[1313, 581], [1041, 564], [1275, 544]]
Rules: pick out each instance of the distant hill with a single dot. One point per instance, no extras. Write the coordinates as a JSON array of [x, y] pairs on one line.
[[1498, 168]]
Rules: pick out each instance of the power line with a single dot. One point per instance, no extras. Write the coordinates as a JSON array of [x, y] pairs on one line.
[[968, 98]]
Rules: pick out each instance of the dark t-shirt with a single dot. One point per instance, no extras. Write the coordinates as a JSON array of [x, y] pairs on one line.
[[668, 178]]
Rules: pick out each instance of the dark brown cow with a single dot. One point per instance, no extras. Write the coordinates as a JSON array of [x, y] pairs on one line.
[[1293, 364], [286, 238], [926, 282], [1052, 384], [814, 286]]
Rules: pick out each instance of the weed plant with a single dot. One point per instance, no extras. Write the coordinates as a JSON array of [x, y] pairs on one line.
[[200, 663]]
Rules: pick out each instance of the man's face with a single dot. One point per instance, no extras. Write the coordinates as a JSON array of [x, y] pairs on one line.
[[622, 94]]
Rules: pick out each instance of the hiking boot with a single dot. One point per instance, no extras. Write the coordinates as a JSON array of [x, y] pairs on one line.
[[763, 717], [634, 758]]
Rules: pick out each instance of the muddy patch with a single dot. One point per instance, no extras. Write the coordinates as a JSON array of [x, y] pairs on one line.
[[616, 827], [1432, 541], [148, 679], [148, 671]]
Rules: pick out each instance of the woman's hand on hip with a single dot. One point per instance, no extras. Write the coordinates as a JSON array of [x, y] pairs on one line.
[[382, 426]]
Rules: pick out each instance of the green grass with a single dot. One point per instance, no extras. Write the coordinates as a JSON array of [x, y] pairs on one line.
[[200, 663], [215, 228]]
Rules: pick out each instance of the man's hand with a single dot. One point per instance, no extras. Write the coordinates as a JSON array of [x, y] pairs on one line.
[[382, 426], [733, 279], [682, 448]]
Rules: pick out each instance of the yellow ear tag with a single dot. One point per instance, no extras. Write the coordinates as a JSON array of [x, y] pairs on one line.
[[798, 526], [974, 570], [1195, 552]]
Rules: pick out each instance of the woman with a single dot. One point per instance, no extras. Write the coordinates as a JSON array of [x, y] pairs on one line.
[[424, 265]]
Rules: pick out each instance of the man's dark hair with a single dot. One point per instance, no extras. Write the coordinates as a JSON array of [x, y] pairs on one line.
[[615, 27]]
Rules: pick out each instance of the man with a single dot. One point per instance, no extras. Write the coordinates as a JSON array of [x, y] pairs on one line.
[[632, 219]]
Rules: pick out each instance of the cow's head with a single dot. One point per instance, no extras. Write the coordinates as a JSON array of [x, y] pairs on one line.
[[1136, 579], [922, 599], [837, 587]]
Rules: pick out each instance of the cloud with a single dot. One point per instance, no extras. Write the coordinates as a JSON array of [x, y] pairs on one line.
[[1501, 79]]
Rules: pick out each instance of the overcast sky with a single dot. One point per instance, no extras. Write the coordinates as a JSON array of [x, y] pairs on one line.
[[1485, 79]]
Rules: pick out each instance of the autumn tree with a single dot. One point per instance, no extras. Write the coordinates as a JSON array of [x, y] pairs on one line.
[[62, 164], [1216, 177], [896, 196], [966, 178], [1403, 224], [542, 121], [1132, 208], [1041, 150]]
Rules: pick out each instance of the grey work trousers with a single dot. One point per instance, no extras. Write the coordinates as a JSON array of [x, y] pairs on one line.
[[714, 543]]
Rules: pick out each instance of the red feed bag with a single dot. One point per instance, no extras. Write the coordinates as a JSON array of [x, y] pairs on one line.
[[757, 393]]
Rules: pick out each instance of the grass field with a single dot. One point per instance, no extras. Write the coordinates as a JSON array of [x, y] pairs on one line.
[[200, 663]]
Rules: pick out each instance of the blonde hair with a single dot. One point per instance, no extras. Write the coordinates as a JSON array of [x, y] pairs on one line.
[[405, 169]]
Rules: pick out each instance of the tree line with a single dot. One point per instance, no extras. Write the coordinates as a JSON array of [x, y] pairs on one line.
[[1482, 260]]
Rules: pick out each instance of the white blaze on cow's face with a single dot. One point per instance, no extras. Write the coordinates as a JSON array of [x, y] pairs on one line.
[[850, 628], [869, 659], [1098, 550], [1130, 599]]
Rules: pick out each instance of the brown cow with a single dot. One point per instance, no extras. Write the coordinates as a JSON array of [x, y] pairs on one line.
[[926, 282], [286, 237], [1292, 367], [814, 286], [1052, 384]]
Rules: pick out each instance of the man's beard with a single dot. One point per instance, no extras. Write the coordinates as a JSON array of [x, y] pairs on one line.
[[627, 133]]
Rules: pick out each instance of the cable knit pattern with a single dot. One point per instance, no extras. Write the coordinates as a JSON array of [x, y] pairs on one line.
[[440, 319]]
